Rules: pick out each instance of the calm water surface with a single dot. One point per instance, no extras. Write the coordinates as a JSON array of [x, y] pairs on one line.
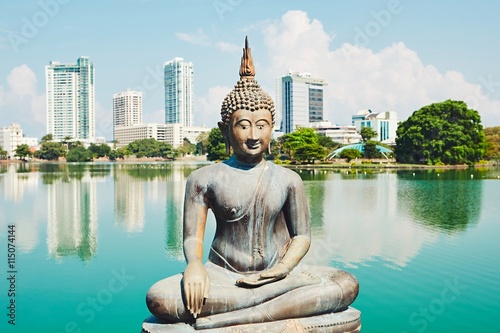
[[91, 238]]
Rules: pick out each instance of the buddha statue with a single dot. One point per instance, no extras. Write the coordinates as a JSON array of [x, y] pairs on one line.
[[254, 276]]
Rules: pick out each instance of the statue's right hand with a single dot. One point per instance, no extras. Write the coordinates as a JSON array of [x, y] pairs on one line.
[[196, 285]]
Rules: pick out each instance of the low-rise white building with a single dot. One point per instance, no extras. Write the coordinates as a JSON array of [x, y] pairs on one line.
[[384, 123], [341, 134], [172, 134], [12, 136]]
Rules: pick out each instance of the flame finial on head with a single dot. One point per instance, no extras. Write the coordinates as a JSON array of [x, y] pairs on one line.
[[246, 94], [247, 68]]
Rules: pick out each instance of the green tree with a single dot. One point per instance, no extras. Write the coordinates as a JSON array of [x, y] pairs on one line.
[[3, 154], [50, 150], [216, 149], [165, 150], [367, 133], [23, 151], [149, 148], [370, 150], [47, 137], [447, 132], [187, 147], [350, 154], [302, 137], [310, 153], [275, 150], [492, 135], [115, 154], [327, 142], [123, 151], [66, 141], [99, 150], [79, 154], [201, 143]]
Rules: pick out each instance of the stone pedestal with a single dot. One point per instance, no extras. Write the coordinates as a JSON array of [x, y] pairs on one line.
[[347, 321]]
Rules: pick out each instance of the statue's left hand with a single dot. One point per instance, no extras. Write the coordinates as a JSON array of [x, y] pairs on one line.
[[275, 273]]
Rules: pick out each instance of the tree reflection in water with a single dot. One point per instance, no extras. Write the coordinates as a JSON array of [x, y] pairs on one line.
[[443, 200]]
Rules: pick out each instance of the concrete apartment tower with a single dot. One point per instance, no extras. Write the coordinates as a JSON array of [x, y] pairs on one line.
[[301, 101], [127, 109], [178, 76], [70, 99]]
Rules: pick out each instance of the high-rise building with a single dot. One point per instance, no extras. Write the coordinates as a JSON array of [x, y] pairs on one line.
[[301, 101], [278, 105], [70, 99], [127, 109], [178, 92]]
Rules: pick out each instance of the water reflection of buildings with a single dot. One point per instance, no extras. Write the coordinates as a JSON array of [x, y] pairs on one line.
[[19, 185], [129, 202], [152, 185], [17, 180], [72, 218], [363, 223]]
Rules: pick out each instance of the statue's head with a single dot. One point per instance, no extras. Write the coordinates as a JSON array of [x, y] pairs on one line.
[[247, 114], [246, 94]]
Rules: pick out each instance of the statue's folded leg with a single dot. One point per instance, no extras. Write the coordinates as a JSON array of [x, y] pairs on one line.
[[164, 299], [336, 292], [307, 291]]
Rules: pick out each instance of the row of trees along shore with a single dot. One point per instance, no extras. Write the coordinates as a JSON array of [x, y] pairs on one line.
[[75, 151], [446, 133]]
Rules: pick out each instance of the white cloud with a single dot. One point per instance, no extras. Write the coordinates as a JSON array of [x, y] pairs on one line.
[[22, 81], [21, 103], [197, 38], [392, 79], [227, 47], [207, 108], [201, 38]]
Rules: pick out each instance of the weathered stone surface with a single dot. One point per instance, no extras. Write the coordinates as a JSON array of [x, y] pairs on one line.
[[254, 280], [348, 321]]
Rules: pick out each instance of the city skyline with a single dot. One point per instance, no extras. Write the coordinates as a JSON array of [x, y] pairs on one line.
[[382, 55]]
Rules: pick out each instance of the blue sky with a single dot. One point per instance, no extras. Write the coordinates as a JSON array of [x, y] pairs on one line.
[[383, 55]]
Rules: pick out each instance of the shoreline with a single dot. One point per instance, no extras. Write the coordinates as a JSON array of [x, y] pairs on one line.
[[324, 165]]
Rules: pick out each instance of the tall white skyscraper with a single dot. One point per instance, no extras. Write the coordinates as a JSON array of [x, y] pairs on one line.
[[301, 101], [178, 92], [127, 109], [70, 97]]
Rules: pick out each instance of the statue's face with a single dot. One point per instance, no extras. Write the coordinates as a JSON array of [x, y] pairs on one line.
[[250, 134]]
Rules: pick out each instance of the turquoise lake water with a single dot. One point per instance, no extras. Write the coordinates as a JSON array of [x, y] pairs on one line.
[[91, 238]]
